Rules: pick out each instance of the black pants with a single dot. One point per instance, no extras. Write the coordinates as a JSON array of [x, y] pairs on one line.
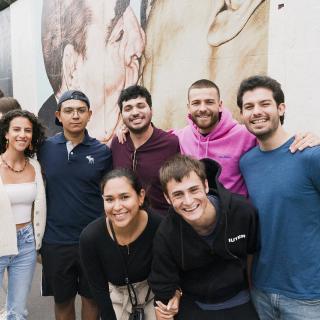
[[189, 310]]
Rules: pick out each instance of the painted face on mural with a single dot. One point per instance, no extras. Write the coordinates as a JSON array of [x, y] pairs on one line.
[[204, 107], [211, 41], [111, 62]]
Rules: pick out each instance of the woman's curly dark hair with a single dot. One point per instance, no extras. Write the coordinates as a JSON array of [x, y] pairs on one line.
[[38, 130]]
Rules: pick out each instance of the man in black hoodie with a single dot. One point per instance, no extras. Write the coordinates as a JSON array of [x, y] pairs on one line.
[[202, 250]]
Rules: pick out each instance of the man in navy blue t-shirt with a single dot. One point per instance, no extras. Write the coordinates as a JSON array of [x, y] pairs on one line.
[[285, 188], [73, 164]]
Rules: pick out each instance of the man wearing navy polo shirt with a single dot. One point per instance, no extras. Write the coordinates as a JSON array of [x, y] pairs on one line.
[[73, 164]]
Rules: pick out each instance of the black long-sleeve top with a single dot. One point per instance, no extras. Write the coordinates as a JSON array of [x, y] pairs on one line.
[[103, 263], [205, 273]]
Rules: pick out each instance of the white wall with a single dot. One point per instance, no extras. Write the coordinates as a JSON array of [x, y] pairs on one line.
[[294, 60], [30, 84]]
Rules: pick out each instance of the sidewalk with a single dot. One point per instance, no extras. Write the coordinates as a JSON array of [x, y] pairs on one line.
[[40, 308]]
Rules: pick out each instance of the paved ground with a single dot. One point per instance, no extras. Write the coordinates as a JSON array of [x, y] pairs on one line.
[[40, 308]]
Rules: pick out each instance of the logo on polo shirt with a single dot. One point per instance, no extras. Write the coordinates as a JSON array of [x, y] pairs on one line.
[[90, 159], [234, 239]]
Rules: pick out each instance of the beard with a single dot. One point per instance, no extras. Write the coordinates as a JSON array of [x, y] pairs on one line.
[[138, 130], [267, 132], [205, 125]]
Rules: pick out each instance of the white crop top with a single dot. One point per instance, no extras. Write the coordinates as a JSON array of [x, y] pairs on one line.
[[21, 196]]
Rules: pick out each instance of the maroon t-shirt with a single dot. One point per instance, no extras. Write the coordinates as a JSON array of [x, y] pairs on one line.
[[146, 162]]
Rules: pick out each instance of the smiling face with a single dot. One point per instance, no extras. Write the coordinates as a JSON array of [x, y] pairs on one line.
[[204, 107], [189, 198], [260, 112], [19, 135], [136, 115], [121, 201]]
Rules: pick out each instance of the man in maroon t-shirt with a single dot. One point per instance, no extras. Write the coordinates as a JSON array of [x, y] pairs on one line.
[[146, 147]]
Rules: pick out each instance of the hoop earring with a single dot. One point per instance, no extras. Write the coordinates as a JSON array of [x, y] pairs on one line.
[[7, 143]]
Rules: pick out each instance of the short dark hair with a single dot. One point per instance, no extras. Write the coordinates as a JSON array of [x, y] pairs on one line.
[[129, 175], [259, 81], [203, 83], [7, 104], [178, 167], [134, 92], [1, 93], [38, 131]]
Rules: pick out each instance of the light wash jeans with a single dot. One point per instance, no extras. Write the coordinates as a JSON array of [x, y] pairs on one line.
[[272, 306], [20, 269]]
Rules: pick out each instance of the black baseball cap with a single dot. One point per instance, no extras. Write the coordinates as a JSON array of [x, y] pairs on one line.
[[71, 95]]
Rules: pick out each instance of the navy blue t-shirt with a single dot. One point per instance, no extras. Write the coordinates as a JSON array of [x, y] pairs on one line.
[[72, 186]]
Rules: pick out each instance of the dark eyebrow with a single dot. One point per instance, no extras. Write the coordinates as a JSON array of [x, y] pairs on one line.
[[121, 194]]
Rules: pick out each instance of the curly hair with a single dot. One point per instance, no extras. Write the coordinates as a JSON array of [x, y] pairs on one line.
[[134, 92], [38, 130]]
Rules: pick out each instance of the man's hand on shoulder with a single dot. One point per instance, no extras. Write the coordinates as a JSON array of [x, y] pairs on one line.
[[121, 133], [304, 140]]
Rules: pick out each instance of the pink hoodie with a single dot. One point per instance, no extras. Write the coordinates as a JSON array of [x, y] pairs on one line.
[[226, 143]]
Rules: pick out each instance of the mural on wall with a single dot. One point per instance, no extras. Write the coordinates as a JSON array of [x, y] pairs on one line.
[[93, 46], [101, 47], [5, 53], [222, 40]]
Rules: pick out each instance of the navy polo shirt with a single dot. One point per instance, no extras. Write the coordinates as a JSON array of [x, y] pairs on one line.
[[72, 186]]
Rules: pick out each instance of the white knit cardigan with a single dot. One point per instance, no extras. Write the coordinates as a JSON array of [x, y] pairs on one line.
[[8, 232]]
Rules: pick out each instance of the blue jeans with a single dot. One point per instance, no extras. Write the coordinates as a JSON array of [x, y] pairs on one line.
[[20, 273], [272, 306]]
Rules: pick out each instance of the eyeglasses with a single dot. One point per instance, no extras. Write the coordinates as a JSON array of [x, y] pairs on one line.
[[70, 111]]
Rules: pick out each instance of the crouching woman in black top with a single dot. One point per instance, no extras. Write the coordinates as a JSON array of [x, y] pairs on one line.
[[116, 249]]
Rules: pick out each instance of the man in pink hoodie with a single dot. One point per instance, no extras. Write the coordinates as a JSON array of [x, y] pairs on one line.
[[213, 133]]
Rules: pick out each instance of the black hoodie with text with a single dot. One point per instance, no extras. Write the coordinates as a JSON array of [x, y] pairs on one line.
[[208, 274]]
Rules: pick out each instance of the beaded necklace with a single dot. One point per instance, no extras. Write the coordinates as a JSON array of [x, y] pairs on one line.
[[11, 168]]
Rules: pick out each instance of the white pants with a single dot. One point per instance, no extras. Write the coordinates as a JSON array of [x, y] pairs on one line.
[[121, 303]]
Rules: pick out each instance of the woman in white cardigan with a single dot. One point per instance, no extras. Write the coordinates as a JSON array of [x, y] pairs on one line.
[[22, 206]]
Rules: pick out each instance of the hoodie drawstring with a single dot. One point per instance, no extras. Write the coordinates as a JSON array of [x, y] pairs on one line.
[[181, 242], [206, 150]]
